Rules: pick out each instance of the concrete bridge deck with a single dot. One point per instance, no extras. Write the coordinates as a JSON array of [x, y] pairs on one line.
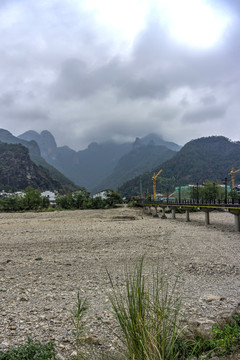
[[206, 207]]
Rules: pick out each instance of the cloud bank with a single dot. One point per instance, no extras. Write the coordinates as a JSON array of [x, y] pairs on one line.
[[73, 69]]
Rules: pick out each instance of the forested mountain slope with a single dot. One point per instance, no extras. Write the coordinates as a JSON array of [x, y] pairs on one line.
[[137, 161], [209, 158], [17, 171], [35, 156]]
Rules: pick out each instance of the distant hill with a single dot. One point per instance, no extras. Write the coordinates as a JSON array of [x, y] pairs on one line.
[[153, 139], [99, 165], [18, 171], [35, 156], [209, 158], [140, 159], [86, 167], [7, 137]]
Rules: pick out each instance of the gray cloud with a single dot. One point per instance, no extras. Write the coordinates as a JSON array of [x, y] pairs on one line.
[[208, 100], [201, 115], [63, 71]]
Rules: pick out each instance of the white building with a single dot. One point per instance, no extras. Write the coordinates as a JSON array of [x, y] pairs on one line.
[[51, 195]]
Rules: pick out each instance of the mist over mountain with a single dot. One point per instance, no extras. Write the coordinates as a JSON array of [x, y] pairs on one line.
[[105, 165], [45, 141], [139, 160], [111, 165], [153, 139]]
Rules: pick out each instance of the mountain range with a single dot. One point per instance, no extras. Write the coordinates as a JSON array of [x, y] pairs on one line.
[[208, 158], [17, 171], [125, 166], [35, 159], [106, 165]]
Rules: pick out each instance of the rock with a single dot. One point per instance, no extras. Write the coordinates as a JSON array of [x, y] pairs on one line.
[[210, 297], [202, 327], [60, 357], [92, 340], [5, 343]]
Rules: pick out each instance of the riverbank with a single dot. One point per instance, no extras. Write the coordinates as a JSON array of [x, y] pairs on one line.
[[47, 258]]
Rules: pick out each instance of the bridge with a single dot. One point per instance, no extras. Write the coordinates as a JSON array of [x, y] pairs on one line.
[[230, 205]]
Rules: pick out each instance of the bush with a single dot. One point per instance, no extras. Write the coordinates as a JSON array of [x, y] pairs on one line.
[[131, 203], [32, 350]]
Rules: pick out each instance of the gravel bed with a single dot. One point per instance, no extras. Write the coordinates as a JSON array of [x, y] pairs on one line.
[[47, 258]]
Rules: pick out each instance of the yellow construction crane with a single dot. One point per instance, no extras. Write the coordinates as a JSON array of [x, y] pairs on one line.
[[232, 174], [154, 178]]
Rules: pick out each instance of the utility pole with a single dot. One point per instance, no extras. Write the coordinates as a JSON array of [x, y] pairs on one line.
[[225, 190], [140, 187], [214, 193]]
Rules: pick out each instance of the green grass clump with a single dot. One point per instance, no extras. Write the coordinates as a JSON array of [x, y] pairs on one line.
[[77, 315], [32, 350], [225, 339], [149, 317]]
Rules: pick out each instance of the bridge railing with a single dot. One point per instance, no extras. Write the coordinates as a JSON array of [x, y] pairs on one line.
[[194, 203]]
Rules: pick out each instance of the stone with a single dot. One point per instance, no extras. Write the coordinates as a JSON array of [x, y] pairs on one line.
[[202, 327], [210, 297], [92, 340]]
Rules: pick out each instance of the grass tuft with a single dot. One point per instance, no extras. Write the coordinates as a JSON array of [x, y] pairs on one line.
[[77, 315], [149, 316]]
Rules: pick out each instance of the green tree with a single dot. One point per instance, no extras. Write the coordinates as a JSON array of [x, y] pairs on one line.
[[75, 200], [112, 198], [32, 199], [211, 191]]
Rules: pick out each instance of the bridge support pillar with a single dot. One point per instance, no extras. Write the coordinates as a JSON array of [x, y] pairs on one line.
[[163, 213], [236, 214], [154, 212], [173, 213], [187, 215], [147, 209], [237, 222], [207, 221]]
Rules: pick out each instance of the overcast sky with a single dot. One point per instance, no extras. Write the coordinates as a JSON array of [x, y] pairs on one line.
[[97, 70]]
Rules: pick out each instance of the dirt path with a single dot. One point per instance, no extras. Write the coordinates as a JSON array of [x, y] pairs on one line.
[[46, 258]]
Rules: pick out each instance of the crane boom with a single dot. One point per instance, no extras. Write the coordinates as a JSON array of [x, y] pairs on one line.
[[154, 178], [232, 174]]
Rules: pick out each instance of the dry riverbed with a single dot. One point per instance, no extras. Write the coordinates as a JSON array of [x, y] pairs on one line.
[[47, 258]]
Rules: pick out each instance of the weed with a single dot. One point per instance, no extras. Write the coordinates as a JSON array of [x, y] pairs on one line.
[[77, 315], [227, 337], [29, 351], [149, 317], [224, 341]]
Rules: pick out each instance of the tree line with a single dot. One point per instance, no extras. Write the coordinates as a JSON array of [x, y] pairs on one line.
[[31, 199]]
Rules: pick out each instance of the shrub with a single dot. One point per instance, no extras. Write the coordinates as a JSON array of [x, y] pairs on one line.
[[29, 351]]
